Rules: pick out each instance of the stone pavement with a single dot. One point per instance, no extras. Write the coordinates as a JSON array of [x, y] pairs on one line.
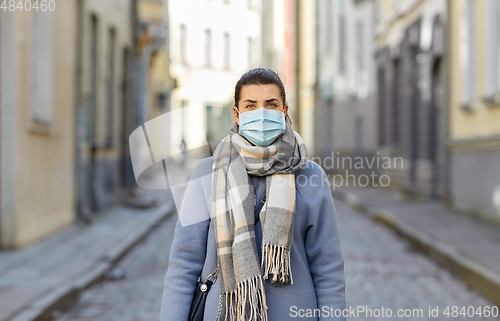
[[468, 247], [43, 277], [137, 295], [384, 271], [381, 270]]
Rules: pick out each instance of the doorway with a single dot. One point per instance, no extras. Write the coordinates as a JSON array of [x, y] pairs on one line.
[[436, 101], [125, 177]]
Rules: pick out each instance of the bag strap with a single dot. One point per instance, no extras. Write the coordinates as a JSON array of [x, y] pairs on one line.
[[214, 275]]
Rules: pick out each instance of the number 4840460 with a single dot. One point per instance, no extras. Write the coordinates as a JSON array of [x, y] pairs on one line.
[[471, 311], [27, 5]]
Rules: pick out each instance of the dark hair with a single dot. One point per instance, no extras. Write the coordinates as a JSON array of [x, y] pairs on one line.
[[259, 76]]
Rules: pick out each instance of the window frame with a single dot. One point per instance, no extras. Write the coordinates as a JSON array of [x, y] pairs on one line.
[[492, 88], [42, 75], [227, 50], [208, 47], [183, 43], [467, 56]]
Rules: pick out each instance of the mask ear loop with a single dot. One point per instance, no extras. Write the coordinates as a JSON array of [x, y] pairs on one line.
[[239, 128]]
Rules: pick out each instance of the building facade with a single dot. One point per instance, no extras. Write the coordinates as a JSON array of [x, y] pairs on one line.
[[154, 44], [76, 80], [474, 109], [305, 31], [37, 130], [208, 56], [345, 93], [411, 101], [289, 48], [105, 113]]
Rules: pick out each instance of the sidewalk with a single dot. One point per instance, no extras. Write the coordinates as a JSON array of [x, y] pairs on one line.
[[44, 277], [468, 247]]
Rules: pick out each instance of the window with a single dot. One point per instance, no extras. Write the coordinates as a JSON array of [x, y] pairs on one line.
[[342, 37], [227, 51], [183, 43], [379, 11], [381, 106], [249, 52], [41, 68], [218, 119], [493, 51], [184, 103], [163, 100], [208, 47], [467, 55], [395, 101], [329, 27], [111, 87], [92, 120], [210, 123], [360, 50]]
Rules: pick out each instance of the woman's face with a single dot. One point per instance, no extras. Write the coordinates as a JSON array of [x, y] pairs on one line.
[[253, 97]]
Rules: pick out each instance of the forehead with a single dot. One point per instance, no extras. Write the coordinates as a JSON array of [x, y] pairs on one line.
[[256, 92]]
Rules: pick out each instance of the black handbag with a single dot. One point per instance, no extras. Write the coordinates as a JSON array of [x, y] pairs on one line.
[[200, 296]]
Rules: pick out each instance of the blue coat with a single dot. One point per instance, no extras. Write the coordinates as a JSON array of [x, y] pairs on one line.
[[316, 258]]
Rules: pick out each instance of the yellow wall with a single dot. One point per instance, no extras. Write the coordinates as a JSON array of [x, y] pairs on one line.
[[484, 120], [44, 178], [159, 80], [151, 10]]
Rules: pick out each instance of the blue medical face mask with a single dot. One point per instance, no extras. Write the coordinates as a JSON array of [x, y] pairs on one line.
[[262, 126]]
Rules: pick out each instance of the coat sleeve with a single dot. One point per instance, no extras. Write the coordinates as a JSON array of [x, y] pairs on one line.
[[188, 252], [322, 244]]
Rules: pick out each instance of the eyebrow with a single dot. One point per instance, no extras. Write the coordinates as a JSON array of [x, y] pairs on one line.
[[267, 101]]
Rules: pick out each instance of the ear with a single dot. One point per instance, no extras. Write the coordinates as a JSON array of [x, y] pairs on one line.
[[236, 115], [285, 109]]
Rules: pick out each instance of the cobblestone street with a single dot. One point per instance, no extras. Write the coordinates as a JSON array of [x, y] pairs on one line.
[[382, 270], [137, 296]]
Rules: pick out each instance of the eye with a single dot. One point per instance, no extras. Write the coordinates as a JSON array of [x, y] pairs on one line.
[[250, 106]]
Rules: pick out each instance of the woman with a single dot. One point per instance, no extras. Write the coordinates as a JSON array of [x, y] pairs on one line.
[[269, 222]]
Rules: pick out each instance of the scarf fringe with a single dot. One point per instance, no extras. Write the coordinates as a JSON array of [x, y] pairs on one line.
[[275, 265], [247, 303]]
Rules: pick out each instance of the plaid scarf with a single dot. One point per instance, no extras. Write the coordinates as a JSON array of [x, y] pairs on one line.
[[241, 278]]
